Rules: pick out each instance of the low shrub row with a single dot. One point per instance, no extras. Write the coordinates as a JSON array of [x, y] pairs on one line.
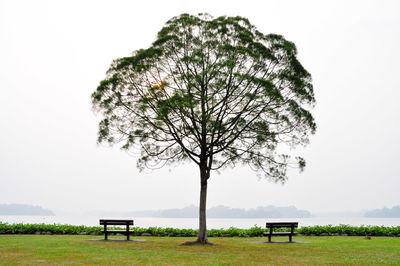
[[255, 231], [369, 230], [58, 229]]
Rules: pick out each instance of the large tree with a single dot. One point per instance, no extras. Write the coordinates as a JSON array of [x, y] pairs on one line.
[[214, 91]]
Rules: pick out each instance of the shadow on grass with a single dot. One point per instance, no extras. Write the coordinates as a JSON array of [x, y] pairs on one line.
[[192, 243], [279, 242], [119, 240]]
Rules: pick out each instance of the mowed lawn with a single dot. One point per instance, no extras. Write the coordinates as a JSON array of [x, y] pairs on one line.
[[72, 249]]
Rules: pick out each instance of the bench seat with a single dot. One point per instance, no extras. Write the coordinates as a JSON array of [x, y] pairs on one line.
[[117, 231], [280, 233]]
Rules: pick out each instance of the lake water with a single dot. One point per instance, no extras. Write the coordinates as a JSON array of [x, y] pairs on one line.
[[212, 223]]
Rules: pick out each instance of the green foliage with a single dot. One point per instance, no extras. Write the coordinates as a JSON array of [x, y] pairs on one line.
[[212, 90], [61, 229], [369, 230], [254, 231]]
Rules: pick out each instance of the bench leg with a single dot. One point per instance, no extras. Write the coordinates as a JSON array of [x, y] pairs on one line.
[[127, 232], [105, 232], [270, 234], [291, 233]]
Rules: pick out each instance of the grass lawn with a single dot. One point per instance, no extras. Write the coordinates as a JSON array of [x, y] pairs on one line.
[[72, 249]]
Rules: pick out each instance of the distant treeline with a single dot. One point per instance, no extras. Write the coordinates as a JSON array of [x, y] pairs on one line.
[[255, 231], [216, 212], [394, 212], [23, 209]]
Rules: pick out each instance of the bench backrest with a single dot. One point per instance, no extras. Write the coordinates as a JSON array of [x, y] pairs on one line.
[[115, 222], [282, 224]]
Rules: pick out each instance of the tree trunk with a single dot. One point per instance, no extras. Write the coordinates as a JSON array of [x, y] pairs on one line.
[[202, 237]]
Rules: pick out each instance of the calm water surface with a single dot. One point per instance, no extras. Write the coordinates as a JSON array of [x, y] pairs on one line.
[[193, 222]]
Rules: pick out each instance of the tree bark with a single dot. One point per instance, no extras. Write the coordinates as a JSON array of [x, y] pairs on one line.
[[202, 236]]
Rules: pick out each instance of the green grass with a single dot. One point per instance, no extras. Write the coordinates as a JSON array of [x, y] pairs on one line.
[[76, 249]]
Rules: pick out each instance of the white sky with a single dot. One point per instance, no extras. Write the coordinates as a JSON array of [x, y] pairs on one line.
[[54, 53]]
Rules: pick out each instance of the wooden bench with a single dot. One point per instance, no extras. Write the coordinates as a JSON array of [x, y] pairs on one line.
[[290, 225], [126, 232]]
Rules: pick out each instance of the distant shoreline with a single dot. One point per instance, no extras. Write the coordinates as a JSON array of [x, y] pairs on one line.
[[218, 212], [24, 210]]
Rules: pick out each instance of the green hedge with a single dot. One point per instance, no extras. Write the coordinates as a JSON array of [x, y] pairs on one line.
[[59, 229], [317, 230], [369, 230]]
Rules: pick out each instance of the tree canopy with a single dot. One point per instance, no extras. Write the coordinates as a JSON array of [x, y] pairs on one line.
[[214, 91]]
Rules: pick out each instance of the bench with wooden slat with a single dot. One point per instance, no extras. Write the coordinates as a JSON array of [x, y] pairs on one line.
[[290, 225], [107, 222]]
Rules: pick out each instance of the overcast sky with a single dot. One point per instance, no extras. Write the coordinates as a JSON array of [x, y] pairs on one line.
[[54, 53]]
